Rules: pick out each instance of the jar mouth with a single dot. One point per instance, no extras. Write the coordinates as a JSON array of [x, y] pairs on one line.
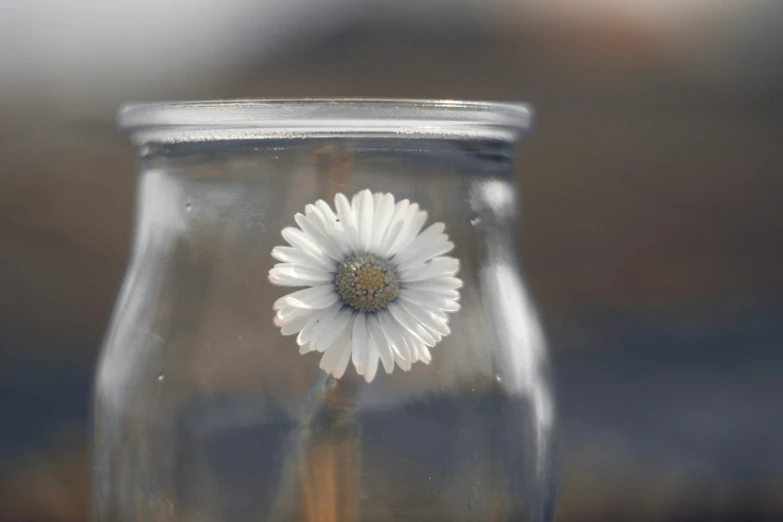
[[219, 120]]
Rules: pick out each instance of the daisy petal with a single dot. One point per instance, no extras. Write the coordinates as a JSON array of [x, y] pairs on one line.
[[416, 225], [288, 254], [406, 218], [347, 220], [376, 202], [314, 216], [331, 357], [337, 355], [413, 348], [401, 210], [342, 363], [428, 237], [425, 317], [380, 342], [331, 231], [286, 313], [429, 301], [363, 209], [411, 324], [325, 243], [424, 352], [427, 337], [392, 330], [359, 346], [395, 224], [286, 280], [335, 230], [326, 221], [449, 305], [371, 365], [437, 267], [449, 282], [326, 210], [403, 363], [331, 330], [436, 289], [310, 330], [402, 317], [299, 240], [389, 237], [297, 275], [436, 249], [315, 297], [295, 323], [418, 253], [409, 234], [317, 218], [384, 209]]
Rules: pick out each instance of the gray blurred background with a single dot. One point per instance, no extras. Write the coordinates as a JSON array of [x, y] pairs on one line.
[[651, 219]]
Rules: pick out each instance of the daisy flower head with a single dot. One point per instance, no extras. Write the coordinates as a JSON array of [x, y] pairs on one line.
[[378, 288]]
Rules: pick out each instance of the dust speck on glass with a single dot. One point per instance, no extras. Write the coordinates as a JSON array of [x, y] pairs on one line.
[[378, 287]]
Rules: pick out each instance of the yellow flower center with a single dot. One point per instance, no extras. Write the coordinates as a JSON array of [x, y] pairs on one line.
[[366, 283]]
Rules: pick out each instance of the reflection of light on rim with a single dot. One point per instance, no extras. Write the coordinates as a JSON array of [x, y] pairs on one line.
[[341, 117], [379, 288]]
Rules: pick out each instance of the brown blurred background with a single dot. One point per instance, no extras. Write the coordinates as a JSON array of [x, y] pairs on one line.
[[651, 215]]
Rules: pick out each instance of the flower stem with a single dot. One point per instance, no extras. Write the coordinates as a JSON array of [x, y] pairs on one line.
[[329, 462]]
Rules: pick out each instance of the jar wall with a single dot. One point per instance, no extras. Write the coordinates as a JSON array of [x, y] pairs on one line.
[[204, 411]]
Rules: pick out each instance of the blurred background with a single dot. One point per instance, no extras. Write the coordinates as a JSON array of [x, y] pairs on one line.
[[651, 220]]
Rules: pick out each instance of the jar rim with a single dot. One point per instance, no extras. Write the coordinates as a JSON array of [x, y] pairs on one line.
[[218, 120]]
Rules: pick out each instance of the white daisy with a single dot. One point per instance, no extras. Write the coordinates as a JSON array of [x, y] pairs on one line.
[[377, 288]]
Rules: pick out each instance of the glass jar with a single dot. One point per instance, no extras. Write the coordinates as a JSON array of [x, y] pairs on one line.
[[204, 410]]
